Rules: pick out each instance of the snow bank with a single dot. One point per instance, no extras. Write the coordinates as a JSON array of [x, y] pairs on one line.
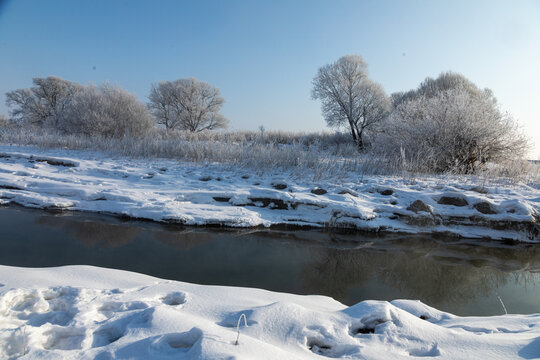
[[95, 313], [202, 194]]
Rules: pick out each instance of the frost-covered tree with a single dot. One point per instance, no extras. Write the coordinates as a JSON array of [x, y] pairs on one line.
[[163, 104], [106, 111], [349, 98], [449, 123], [4, 120], [187, 104], [433, 87], [43, 102]]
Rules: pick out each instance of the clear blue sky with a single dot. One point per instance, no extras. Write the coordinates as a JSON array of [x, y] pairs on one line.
[[263, 55]]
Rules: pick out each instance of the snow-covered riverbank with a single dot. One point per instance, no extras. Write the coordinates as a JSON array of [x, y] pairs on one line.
[[210, 194], [86, 312]]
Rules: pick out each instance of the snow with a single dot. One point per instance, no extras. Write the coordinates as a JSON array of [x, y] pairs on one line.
[[87, 312], [201, 194], [76, 312]]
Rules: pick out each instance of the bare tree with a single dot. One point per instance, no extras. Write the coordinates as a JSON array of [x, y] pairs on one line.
[[105, 111], [349, 97], [43, 102], [4, 120], [187, 104], [164, 105]]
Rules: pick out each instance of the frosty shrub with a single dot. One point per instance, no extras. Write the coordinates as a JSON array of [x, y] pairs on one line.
[[449, 124], [42, 102], [349, 98], [187, 104], [106, 111]]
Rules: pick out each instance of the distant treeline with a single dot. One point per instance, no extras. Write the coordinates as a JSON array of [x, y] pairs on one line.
[[446, 124]]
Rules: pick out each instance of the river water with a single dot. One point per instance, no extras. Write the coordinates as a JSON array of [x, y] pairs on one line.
[[465, 277]]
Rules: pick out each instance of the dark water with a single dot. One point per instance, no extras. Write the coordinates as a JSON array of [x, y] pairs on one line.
[[462, 277]]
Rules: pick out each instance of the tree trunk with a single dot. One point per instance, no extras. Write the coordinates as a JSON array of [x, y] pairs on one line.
[[353, 132], [359, 140]]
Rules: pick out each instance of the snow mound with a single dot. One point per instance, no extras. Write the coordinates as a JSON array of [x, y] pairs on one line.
[[94, 313]]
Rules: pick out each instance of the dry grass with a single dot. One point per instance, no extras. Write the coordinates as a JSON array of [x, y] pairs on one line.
[[308, 155]]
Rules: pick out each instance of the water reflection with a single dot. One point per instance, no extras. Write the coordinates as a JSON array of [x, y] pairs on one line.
[[464, 277], [434, 279], [441, 273], [184, 239], [91, 232]]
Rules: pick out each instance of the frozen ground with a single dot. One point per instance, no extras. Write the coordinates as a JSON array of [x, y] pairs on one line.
[[86, 312], [200, 194]]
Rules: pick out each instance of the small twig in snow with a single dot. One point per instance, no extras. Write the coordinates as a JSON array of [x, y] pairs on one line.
[[504, 307], [24, 340], [238, 327]]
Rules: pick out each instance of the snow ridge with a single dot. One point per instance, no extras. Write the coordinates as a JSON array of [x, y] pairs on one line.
[[94, 313]]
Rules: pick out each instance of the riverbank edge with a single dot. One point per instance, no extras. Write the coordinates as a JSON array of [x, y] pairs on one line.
[[193, 194], [531, 231]]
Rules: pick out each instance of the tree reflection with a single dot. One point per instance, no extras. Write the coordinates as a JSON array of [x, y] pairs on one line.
[[185, 238], [433, 272], [93, 233]]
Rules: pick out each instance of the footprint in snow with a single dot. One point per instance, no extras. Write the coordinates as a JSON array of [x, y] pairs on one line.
[[12, 343], [428, 351], [163, 346], [174, 298], [112, 331], [54, 305], [317, 346], [321, 346], [109, 307], [183, 340], [113, 291], [62, 338], [365, 326], [370, 324], [232, 319]]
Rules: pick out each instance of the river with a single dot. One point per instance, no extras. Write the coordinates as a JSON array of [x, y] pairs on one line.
[[464, 277]]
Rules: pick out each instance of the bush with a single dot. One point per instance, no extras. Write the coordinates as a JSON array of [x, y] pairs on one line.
[[106, 111], [450, 124]]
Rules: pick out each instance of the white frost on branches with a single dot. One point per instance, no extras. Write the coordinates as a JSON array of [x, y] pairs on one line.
[[187, 104], [451, 124], [349, 98]]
